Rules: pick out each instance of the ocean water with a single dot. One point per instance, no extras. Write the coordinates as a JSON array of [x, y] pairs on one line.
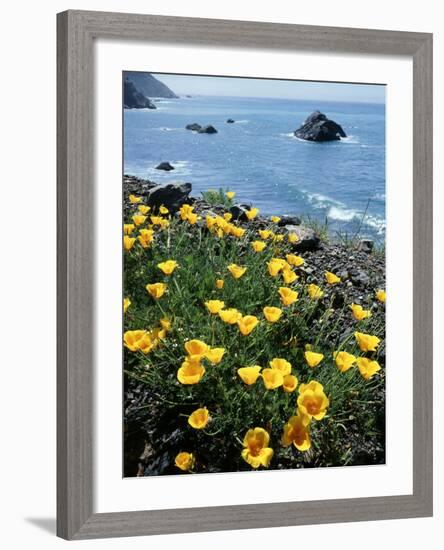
[[260, 159]]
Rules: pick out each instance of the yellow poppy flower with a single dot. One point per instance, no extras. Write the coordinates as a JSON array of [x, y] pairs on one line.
[[236, 270], [256, 451], [359, 313], [214, 306], [344, 361], [252, 213], [292, 238], [185, 210], [282, 365], [156, 220], [247, 324], [191, 372], [128, 242], [133, 199], [210, 221], [294, 260], [313, 359], [237, 231], [196, 349], [274, 267], [146, 237], [272, 314], [287, 295], [275, 219], [138, 219], [132, 339], [192, 218], [249, 375], [214, 355], [258, 246], [278, 238], [289, 276], [128, 228], [367, 342], [157, 290], [220, 283], [290, 383], [381, 296], [331, 278], [314, 291], [230, 195], [199, 418], [228, 216], [143, 209], [163, 210], [265, 234], [185, 461], [168, 267], [297, 432], [230, 316], [312, 401], [126, 304], [367, 367], [165, 324], [273, 378]]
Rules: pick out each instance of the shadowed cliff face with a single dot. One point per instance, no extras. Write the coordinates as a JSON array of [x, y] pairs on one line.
[[148, 85], [134, 99]]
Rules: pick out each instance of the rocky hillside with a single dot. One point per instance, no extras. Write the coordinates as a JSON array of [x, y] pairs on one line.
[[134, 98], [148, 85]]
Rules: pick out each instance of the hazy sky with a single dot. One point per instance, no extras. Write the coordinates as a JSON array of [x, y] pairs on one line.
[[293, 89]]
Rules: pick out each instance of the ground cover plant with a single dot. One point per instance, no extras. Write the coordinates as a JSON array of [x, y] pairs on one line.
[[240, 352]]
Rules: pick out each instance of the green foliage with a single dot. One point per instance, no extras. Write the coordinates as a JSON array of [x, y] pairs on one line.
[[353, 421], [217, 197]]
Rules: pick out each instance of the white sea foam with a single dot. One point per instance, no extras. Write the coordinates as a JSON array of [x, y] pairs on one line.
[[342, 214], [241, 121], [322, 201], [350, 139], [347, 215], [167, 129]]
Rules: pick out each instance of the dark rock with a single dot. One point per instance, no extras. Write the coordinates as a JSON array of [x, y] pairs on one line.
[[171, 195], [230, 121], [193, 127], [289, 220], [366, 245], [308, 240], [207, 130], [133, 98], [317, 127], [239, 212], [148, 85], [165, 166], [359, 278]]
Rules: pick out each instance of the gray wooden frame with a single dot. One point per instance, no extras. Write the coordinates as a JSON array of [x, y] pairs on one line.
[[77, 31]]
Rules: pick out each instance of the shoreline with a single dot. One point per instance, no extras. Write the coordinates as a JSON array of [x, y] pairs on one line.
[[137, 185]]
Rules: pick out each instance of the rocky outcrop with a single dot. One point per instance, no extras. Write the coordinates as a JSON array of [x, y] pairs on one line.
[[317, 127], [193, 127], [171, 195], [165, 166], [133, 98], [209, 129], [230, 121], [307, 238], [148, 85]]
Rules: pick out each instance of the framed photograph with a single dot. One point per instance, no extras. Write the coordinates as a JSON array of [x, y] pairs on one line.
[[244, 274]]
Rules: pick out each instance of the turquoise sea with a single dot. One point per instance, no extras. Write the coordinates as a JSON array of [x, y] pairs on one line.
[[260, 159]]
